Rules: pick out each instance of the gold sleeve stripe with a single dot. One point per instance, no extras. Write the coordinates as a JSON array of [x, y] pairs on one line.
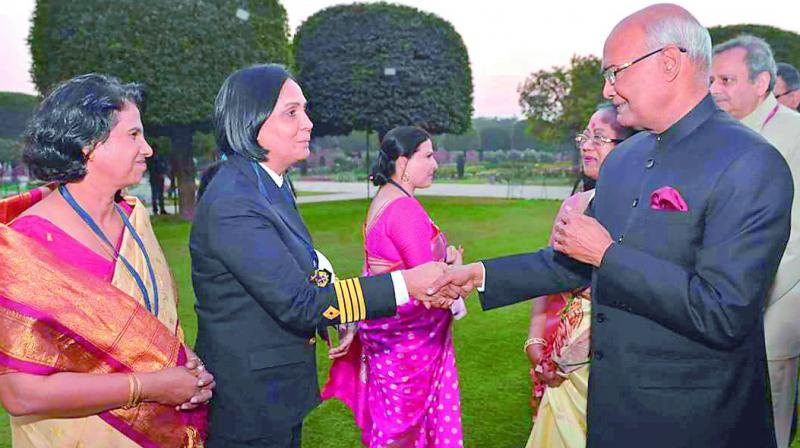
[[348, 306], [348, 300], [360, 294], [342, 310], [354, 299]]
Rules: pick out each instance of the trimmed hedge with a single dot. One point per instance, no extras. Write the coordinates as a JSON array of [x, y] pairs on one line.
[[180, 50], [340, 55]]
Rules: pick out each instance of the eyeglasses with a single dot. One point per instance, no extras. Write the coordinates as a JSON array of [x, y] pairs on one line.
[[595, 140], [610, 74], [785, 93]]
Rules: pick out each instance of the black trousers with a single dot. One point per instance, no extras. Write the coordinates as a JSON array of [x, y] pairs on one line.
[[157, 194], [290, 439]]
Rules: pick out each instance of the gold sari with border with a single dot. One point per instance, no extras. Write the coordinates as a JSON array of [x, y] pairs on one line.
[[55, 318]]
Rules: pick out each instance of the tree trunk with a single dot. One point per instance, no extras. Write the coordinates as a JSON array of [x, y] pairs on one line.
[[181, 136]]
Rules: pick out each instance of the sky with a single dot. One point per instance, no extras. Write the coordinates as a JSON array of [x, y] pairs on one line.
[[506, 39]]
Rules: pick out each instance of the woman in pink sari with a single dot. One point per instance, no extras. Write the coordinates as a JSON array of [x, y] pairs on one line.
[[398, 374]]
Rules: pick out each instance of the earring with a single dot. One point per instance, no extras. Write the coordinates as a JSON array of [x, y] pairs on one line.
[[405, 178]]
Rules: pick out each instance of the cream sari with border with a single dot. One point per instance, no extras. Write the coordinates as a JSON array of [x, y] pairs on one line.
[[93, 431]]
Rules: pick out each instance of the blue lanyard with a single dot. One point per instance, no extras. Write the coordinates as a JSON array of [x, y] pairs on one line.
[[96, 229], [309, 248]]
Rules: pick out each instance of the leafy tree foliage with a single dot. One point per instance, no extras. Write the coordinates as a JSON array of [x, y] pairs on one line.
[[495, 138], [467, 141], [375, 66], [10, 150], [15, 111], [180, 51], [559, 101]]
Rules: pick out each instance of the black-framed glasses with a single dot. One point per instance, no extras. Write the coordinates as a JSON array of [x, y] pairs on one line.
[[610, 74], [785, 93], [595, 140]]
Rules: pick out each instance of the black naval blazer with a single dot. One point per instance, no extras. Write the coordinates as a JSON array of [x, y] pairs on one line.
[[257, 311], [678, 357]]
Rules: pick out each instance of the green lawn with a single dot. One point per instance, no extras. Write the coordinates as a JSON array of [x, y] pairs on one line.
[[312, 193], [536, 181], [493, 370]]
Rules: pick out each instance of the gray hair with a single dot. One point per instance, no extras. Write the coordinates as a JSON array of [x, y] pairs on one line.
[[684, 31], [790, 75], [758, 56]]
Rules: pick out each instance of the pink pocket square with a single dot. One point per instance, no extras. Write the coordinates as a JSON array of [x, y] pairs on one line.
[[668, 198]]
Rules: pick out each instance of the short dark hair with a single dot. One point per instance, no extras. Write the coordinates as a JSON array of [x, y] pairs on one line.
[[790, 75], [400, 141], [78, 113], [243, 104]]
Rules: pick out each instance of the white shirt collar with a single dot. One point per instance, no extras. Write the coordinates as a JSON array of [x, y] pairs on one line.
[[277, 178]]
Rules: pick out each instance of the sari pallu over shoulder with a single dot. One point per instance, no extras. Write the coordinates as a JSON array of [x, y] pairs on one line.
[[13, 206], [55, 318]]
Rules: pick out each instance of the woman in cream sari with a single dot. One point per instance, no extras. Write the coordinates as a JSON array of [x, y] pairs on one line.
[[91, 351], [558, 345]]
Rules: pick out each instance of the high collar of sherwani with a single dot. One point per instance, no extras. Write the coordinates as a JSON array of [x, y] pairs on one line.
[[688, 123], [759, 116], [277, 178]]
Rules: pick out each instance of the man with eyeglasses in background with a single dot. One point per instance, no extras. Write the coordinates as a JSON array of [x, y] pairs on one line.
[[787, 87], [743, 76], [680, 245]]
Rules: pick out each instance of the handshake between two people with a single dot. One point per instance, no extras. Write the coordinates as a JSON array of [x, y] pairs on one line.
[[438, 284]]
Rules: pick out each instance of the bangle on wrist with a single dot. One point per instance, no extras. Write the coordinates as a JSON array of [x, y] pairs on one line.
[[534, 341], [135, 391]]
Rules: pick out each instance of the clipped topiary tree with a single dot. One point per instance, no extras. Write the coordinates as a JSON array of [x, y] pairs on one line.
[[785, 44], [375, 66], [181, 51]]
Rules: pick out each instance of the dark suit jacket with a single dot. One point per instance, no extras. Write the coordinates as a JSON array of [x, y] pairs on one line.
[[678, 300], [256, 309]]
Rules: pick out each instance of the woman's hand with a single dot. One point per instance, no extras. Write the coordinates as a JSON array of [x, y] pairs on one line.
[[454, 255], [205, 381], [535, 354], [346, 336], [545, 368], [174, 386], [550, 374], [192, 360]]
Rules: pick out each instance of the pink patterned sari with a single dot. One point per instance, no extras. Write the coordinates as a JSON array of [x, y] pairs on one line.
[[400, 376]]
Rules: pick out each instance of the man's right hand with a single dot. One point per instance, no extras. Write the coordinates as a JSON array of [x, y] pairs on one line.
[[419, 279], [462, 279]]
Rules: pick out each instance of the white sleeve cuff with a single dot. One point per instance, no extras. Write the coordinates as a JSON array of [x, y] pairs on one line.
[[400, 289], [482, 287]]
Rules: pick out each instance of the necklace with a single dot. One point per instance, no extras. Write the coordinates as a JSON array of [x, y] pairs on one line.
[[396, 185]]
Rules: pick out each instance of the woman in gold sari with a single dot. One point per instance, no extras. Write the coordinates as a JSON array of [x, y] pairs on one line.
[[558, 345], [91, 351]]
